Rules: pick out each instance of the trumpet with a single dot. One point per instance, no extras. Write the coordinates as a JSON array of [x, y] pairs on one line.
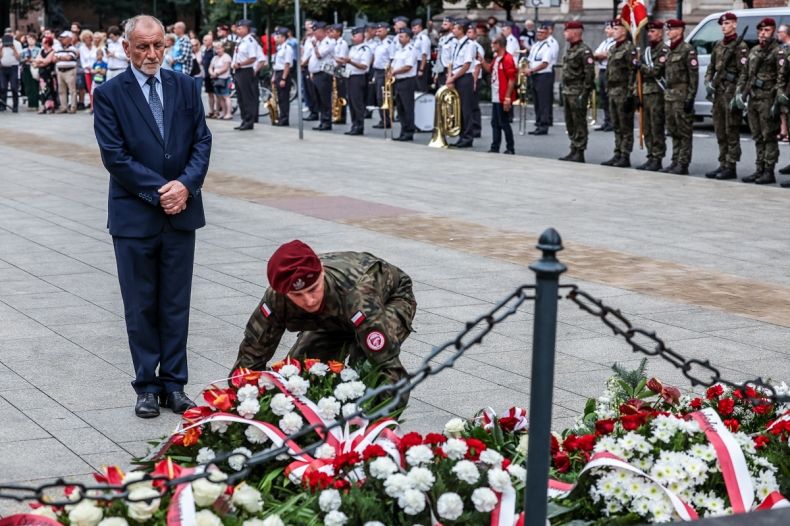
[[446, 117], [271, 105], [388, 103], [521, 87], [592, 115]]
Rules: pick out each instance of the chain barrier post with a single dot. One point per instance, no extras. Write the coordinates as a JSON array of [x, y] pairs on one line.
[[544, 332]]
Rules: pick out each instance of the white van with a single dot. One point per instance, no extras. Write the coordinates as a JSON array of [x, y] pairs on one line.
[[708, 32]]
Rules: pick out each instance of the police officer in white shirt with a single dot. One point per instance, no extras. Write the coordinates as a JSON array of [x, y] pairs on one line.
[[282, 80], [245, 55], [444, 51], [341, 52], [601, 55], [357, 65], [115, 56], [381, 61], [310, 96], [477, 70], [554, 59], [512, 45], [460, 77], [422, 46], [539, 70], [404, 69], [322, 55], [372, 41]]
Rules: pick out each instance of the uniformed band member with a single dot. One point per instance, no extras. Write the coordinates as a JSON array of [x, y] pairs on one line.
[[282, 80], [783, 96], [444, 52], [341, 52], [344, 305], [322, 53], [372, 41], [404, 70], [620, 79], [357, 65], [244, 58], [310, 97], [460, 77], [477, 70], [578, 76], [652, 67], [381, 61], [539, 72], [601, 55], [422, 47], [728, 62], [766, 59], [682, 79]]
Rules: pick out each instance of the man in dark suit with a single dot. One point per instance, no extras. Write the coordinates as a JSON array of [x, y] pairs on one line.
[[154, 142]]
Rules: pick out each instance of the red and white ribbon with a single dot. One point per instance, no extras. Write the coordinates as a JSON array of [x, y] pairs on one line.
[[181, 511]]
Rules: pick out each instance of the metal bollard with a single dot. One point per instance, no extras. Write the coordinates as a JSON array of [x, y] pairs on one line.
[[544, 333]]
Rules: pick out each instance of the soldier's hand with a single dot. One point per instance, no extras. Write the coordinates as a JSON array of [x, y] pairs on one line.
[[737, 102], [709, 90], [774, 110], [628, 105], [688, 107], [637, 103], [782, 100]]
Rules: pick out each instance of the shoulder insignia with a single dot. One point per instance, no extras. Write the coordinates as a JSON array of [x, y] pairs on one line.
[[589, 60], [693, 62], [358, 318], [375, 341], [781, 61], [265, 310], [662, 59], [744, 60]]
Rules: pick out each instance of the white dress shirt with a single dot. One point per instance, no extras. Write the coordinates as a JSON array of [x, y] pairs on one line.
[[540, 52], [361, 54], [405, 56], [284, 55], [381, 55], [245, 50], [325, 48], [463, 53], [603, 47], [142, 80], [115, 56], [512, 46]]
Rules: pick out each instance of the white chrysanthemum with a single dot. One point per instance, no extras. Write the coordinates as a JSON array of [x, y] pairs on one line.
[[420, 454], [273, 520], [205, 455], [218, 427], [492, 458], [484, 500], [289, 370], [319, 369], [255, 435], [349, 375], [291, 423], [329, 500], [237, 461], [297, 385], [454, 427], [455, 448], [349, 409], [765, 484], [206, 492], [382, 468], [412, 502], [265, 382], [499, 480], [466, 471], [325, 451], [328, 408], [248, 498], [335, 518], [248, 408], [248, 392], [252, 522], [281, 404], [374, 523], [517, 472], [395, 485], [421, 478], [450, 506], [114, 521], [86, 513], [207, 518], [349, 391], [142, 510]]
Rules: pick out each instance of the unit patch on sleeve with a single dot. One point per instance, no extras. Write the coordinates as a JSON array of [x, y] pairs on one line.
[[376, 340]]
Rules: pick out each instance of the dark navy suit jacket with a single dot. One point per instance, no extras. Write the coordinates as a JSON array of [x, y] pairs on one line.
[[140, 161]]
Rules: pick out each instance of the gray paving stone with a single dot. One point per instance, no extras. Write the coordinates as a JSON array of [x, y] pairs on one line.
[[26, 399], [39, 458], [86, 441], [106, 422], [18, 426]]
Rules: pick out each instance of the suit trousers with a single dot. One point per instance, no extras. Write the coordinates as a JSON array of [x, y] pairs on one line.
[[9, 77], [464, 85], [357, 91], [379, 78], [155, 274], [477, 117], [424, 80], [323, 91], [500, 122], [283, 97], [309, 92], [403, 92], [542, 86], [245, 92], [67, 84]]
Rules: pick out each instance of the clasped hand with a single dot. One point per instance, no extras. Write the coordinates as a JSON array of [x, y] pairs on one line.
[[173, 197]]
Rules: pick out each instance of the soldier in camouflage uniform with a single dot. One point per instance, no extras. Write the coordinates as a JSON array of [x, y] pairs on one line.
[[682, 77], [651, 67], [766, 60], [344, 305], [783, 100], [620, 78], [727, 64], [578, 78]]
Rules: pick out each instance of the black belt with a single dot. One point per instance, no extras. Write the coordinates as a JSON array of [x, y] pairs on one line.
[[67, 69]]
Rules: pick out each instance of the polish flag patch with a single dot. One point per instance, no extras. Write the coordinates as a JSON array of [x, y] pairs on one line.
[[265, 310], [358, 318]]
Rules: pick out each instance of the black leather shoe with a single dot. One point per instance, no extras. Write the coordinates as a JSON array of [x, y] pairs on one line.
[[566, 157], [509, 152], [752, 177], [785, 184], [727, 173], [462, 144], [611, 161], [379, 126], [714, 173], [311, 117], [243, 128], [322, 128], [785, 171], [147, 405], [493, 150], [644, 165], [766, 178], [353, 132], [539, 131], [576, 157], [177, 402], [654, 166]]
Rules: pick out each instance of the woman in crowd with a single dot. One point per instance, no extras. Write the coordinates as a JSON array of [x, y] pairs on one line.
[[219, 75], [170, 42], [45, 63], [197, 59], [100, 40], [30, 72], [87, 53]]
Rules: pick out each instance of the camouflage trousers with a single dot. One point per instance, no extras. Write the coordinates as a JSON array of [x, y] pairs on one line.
[[764, 128], [679, 127], [727, 123], [576, 120], [653, 125], [622, 122]]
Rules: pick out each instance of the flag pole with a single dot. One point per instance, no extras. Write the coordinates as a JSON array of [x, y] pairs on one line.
[[635, 28]]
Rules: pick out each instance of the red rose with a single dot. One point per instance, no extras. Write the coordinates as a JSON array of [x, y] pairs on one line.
[[732, 424], [604, 427], [508, 423], [475, 447], [555, 445], [726, 406], [632, 422], [410, 439], [570, 443], [696, 403], [373, 451], [631, 407], [737, 394], [586, 442], [655, 385], [562, 462], [760, 441], [506, 463], [714, 392], [751, 392], [434, 439], [671, 395], [762, 409]]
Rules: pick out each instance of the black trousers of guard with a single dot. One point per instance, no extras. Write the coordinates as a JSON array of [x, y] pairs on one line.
[[357, 91], [309, 92], [477, 118], [441, 79], [465, 88], [256, 95], [283, 98], [403, 92], [370, 88], [424, 80], [603, 101], [542, 86], [379, 77], [323, 89], [245, 92], [342, 91]]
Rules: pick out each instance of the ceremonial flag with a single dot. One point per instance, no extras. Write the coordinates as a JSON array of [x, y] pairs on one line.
[[634, 16]]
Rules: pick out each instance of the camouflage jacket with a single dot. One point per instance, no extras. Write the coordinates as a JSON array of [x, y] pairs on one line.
[[682, 73], [783, 82], [762, 75], [652, 66], [363, 296], [578, 70], [621, 69], [727, 64]]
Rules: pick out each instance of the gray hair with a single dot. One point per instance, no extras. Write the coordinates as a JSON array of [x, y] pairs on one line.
[[131, 24]]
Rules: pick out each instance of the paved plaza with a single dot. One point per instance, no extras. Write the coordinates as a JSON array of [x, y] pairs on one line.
[[701, 262]]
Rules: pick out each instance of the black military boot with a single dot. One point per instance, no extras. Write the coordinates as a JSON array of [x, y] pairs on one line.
[[576, 157], [655, 166], [669, 168], [568, 157], [680, 169], [645, 164], [785, 170], [713, 173], [623, 162], [754, 176], [612, 161], [768, 175], [727, 173]]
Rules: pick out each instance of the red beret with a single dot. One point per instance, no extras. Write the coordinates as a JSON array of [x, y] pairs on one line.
[[766, 22], [293, 267], [655, 24], [618, 22], [729, 15], [574, 24], [674, 22]]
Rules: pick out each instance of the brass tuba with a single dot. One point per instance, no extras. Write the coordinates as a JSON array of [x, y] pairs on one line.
[[446, 117], [522, 91], [338, 103], [387, 100], [271, 105], [592, 106]]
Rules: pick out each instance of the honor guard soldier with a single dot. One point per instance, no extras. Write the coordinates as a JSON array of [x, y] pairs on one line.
[[539, 72], [459, 77], [310, 96], [728, 63], [245, 55], [652, 66], [357, 65], [766, 60], [343, 304], [341, 52], [322, 55], [620, 80], [477, 70], [783, 96], [372, 41], [283, 61], [381, 61], [422, 46], [444, 52], [404, 70], [578, 77]]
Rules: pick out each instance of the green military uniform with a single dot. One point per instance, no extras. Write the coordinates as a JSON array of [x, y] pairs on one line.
[[367, 313], [727, 65], [620, 78], [578, 78], [682, 77], [783, 100], [652, 67], [760, 85]]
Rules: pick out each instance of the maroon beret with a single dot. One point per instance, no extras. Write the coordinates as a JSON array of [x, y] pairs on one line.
[[655, 24], [674, 22], [574, 24], [618, 22], [729, 15], [293, 267], [766, 22]]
